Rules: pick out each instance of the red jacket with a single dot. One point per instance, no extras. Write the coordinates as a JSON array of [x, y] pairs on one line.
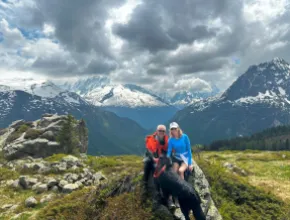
[[153, 145]]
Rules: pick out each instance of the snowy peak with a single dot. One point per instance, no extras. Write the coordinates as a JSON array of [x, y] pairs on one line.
[[41, 88], [122, 96], [84, 85], [185, 98], [100, 91], [269, 79]]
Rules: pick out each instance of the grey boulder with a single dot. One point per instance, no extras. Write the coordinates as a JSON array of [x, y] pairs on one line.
[[62, 183], [51, 182], [40, 188], [27, 182], [70, 187], [30, 202]]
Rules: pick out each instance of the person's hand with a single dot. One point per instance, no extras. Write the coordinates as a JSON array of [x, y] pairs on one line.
[[190, 168]]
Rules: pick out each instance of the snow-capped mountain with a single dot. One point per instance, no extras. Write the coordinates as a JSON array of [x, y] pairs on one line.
[[268, 82], [84, 85], [258, 99], [182, 99], [41, 88], [122, 96], [100, 91], [126, 100], [108, 133]]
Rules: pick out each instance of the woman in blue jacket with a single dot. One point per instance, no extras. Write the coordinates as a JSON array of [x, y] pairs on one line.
[[179, 144]]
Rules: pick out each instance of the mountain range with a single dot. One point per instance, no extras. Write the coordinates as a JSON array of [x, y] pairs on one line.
[[29, 99], [258, 99], [132, 101]]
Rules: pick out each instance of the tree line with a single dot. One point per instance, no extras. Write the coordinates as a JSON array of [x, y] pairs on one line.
[[273, 139]]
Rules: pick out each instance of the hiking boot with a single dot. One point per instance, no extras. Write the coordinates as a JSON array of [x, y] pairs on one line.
[[171, 205]]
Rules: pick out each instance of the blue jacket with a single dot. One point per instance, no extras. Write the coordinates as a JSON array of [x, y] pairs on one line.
[[181, 147]]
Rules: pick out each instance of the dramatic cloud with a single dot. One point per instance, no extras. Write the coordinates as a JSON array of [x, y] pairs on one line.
[[161, 45]]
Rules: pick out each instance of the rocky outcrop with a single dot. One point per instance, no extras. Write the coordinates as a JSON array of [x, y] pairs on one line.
[[44, 137], [201, 185]]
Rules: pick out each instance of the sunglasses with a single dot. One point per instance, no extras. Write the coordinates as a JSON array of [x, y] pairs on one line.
[[161, 131], [172, 129]]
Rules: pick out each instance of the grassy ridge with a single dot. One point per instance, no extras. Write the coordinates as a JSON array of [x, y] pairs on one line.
[[239, 197]]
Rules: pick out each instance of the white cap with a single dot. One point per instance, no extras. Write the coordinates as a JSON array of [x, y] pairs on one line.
[[173, 125]]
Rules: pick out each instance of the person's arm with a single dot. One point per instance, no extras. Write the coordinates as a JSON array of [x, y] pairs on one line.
[[188, 147], [169, 148]]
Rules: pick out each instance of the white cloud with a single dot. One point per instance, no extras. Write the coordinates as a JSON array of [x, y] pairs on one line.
[[258, 35], [192, 84], [48, 30], [42, 48], [264, 10], [277, 45], [12, 37]]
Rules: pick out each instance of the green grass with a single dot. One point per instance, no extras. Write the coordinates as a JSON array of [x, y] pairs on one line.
[[266, 185], [100, 203], [12, 196], [125, 164], [237, 199], [8, 174], [269, 171], [55, 157]]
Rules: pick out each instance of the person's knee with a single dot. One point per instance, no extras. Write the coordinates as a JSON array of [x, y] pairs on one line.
[[182, 169]]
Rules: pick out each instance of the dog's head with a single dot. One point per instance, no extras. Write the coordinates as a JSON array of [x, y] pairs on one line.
[[163, 161]]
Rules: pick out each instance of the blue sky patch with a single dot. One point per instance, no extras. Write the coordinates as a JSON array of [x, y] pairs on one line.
[[32, 34]]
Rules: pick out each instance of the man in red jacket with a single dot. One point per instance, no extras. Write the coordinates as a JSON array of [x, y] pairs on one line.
[[157, 143], [156, 146]]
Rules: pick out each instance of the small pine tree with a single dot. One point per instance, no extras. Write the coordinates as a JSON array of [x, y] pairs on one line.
[[67, 136], [83, 134]]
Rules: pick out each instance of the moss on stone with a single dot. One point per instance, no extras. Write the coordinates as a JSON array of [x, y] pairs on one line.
[[32, 133]]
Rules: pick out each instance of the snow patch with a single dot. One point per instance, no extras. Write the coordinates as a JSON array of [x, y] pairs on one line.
[[287, 101], [259, 97], [282, 91], [70, 99], [261, 69], [280, 81]]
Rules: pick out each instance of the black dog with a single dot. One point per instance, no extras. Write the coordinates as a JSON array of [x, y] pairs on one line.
[[171, 184]]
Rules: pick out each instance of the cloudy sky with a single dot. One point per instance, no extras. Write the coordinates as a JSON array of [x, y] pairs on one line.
[[164, 44]]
